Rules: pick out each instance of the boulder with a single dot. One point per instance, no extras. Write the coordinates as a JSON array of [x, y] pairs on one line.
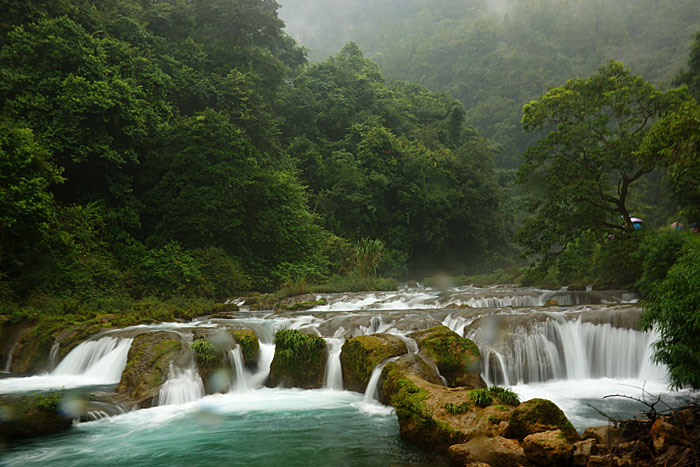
[[457, 358], [536, 416], [360, 355], [148, 366], [496, 451], [433, 415], [31, 416], [583, 450], [548, 448], [664, 435], [250, 345], [299, 361], [602, 434]]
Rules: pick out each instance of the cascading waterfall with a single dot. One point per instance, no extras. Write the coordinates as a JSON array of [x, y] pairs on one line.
[[242, 377], [371, 392], [334, 374], [559, 348], [457, 323], [183, 385], [102, 360], [53, 354]]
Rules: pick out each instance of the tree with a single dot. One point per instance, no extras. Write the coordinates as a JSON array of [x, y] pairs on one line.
[[674, 311], [581, 176]]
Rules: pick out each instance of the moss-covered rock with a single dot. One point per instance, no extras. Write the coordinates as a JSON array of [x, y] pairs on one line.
[[360, 355], [457, 358], [30, 416], [410, 395], [299, 361], [148, 366], [536, 416], [250, 346], [548, 448]]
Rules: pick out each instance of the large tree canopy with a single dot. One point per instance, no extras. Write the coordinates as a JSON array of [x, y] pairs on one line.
[[581, 176]]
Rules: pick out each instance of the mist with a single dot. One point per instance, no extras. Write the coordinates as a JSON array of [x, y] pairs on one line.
[[496, 55]]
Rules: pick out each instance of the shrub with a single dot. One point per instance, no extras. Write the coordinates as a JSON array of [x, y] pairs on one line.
[[506, 395]]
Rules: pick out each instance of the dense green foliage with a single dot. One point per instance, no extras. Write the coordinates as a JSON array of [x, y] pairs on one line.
[[674, 311], [185, 148], [581, 176], [495, 56]]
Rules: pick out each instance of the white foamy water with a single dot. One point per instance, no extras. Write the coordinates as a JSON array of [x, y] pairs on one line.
[[334, 374], [575, 397], [94, 362], [183, 385]]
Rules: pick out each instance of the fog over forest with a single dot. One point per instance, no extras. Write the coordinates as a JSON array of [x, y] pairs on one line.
[[495, 56]]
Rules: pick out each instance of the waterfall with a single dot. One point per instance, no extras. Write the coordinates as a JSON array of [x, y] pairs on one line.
[[564, 349], [457, 323], [242, 380], [334, 374], [53, 354], [102, 359], [372, 393], [182, 386], [267, 353]]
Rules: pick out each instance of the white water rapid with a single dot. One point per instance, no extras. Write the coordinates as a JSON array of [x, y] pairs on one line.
[[183, 385], [93, 362], [334, 374]]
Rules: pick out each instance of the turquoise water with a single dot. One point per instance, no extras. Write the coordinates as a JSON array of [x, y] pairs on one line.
[[265, 427]]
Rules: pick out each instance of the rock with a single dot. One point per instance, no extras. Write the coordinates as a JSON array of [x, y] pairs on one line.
[[250, 345], [31, 416], [148, 366], [663, 435], [548, 448], [457, 358], [551, 302], [607, 460], [408, 364], [676, 455], [496, 451], [603, 434], [299, 361], [582, 450], [28, 350], [538, 415], [433, 415], [360, 355]]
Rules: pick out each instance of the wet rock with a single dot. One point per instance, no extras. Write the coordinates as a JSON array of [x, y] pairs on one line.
[[457, 358], [496, 451], [582, 450], [538, 415], [436, 416], [22, 348], [31, 416], [360, 355], [664, 434], [410, 364], [250, 345], [299, 361], [148, 366], [677, 456], [607, 460], [548, 448]]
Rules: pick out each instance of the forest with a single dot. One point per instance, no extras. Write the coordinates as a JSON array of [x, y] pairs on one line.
[[194, 149]]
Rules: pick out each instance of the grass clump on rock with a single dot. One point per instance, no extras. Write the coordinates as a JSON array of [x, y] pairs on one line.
[[299, 361]]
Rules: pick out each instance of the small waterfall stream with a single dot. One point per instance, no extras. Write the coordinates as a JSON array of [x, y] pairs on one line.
[[183, 385], [103, 359], [334, 374]]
